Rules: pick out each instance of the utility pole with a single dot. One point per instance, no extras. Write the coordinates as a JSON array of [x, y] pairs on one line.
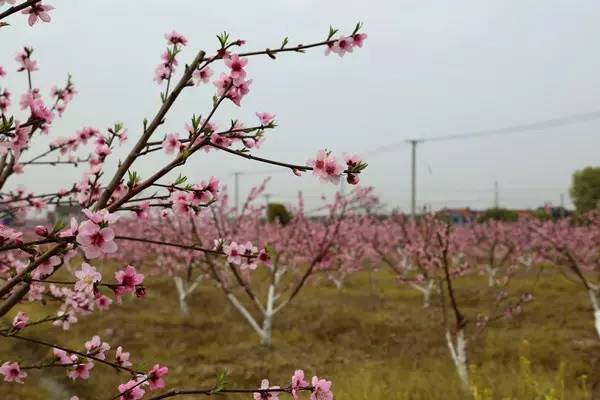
[[413, 186], [562, 205], [496, 195], [237, 192]]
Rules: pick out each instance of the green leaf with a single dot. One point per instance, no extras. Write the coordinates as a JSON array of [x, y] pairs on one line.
[[180, 180], [220, 383], [331, 32], [58, 226]]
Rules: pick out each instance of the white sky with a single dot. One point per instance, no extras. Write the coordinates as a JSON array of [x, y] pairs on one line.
[[428, 68]]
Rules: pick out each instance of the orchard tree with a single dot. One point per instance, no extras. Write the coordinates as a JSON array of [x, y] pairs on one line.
[[31, 258], [574, 246]]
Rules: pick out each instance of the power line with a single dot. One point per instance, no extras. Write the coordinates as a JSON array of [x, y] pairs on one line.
[[533, 126]]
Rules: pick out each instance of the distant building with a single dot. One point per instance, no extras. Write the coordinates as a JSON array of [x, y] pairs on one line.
[[458, 215], [64, 212]]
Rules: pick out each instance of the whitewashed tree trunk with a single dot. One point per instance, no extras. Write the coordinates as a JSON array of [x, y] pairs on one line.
[[265, 331], [184, 290], [425, 290], [596, 309], [338, 282], [246, 314], [491, 275], [458, 351], [182, 295], [267, 328]]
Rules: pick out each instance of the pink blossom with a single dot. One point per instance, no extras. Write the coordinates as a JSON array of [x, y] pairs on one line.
[[249, 142], [181, 202], [342, 46], [131, 390], [264, 258], [233, 253], [239, 90], [298, 383], [122, 357], [9, 235], [212, 185], [41, 112], [96, 347], [223, 83], [12, 372], [162, 73], [4, 100], [200, 195], [103, 302], [102, 151], [352, 160], [321, 389], [66, 321], [171, 143], [236, 66], [2, 72], [96, 241], [155, 377], [36, 11], [326, 167], [220, 140], [265, 118], [247, 250], [143, 211], [264, 384], [128, 279], [72, 230], [203, 75], [35, 292], [176, 38], [20, 321], [81, 371], [101, 217], [318, 164], [87, 276], [61, 356], [46, 267], [27, 64], [358, 39]]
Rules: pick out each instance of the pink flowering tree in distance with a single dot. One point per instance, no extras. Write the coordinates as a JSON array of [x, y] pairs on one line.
[[493, 247], [429, 254], [31, 257], [573, 246], [261, 256]]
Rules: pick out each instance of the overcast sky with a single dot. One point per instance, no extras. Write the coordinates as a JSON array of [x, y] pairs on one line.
[[428, 68]]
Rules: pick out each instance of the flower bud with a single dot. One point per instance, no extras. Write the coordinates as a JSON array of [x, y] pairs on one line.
[[41, 230], [140, 291], [352, 179]]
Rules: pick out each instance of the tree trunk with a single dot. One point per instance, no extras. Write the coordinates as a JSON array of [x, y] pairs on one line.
[[267, 327], [458, 351], [491, 276], [596, 309], [182, 293], [426, 291]]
